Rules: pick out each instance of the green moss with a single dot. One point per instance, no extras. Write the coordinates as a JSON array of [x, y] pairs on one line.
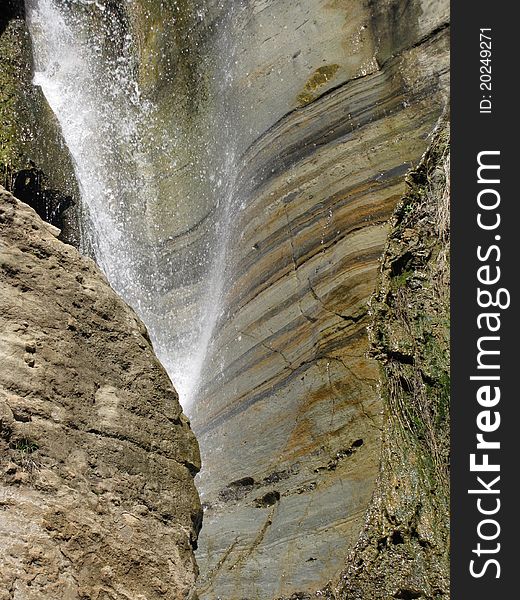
[[31, 146], [317, 80], [171, 39], [13, 60], [406, 541], [401, 280]]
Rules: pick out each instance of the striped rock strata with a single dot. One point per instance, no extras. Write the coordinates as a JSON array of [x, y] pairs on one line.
[[288, 414]]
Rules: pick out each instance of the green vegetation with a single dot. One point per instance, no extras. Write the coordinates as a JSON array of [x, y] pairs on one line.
[[404, 549], [12, 62], [317, 80], [24, 454]]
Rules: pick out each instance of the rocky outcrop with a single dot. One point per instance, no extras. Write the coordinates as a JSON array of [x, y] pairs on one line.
[[97, 460], [404, 549], [34, 162], [278, 141]]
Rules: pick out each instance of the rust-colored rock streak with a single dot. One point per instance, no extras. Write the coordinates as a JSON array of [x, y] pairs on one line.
[[288, 415]]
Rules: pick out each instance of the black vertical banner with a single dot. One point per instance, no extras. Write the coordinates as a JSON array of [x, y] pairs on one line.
[[485, 242]]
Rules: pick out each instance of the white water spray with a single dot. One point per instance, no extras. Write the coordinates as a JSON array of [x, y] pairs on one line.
[[85, 65]]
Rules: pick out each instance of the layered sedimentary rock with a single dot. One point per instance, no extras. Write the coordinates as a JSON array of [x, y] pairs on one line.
[[288, 415], [97, 460], [404, 549], [277, 138]]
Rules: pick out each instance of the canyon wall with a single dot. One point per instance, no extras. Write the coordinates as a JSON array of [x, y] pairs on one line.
[[278, 143], [333, 103], [97, 498], [404, 549]]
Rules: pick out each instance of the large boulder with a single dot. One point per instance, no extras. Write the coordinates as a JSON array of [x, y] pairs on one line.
[[97, 459]]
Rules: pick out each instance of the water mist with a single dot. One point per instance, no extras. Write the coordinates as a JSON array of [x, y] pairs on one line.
[[85, 63]]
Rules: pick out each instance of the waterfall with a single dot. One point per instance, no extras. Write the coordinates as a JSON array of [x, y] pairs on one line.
[[85, 63]]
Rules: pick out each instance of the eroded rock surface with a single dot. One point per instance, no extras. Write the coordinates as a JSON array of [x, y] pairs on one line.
[[281, 133], [403, 551], [97, 460]]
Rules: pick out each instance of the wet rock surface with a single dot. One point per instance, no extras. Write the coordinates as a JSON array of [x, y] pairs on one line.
[[403, 551], [34, 163], [96, 458], [289, 399]]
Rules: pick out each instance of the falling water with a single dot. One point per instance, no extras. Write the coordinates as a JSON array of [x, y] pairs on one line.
[[85, 64]]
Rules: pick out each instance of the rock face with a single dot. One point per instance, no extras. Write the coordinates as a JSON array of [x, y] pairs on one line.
[[404, 549], [34, 163], [97, 460], [340, 99], [279, 140]]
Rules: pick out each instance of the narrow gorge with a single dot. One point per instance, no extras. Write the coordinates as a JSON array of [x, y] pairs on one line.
[[233, 167]]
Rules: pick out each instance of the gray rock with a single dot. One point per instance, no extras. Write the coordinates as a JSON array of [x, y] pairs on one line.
[[304, 118]]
